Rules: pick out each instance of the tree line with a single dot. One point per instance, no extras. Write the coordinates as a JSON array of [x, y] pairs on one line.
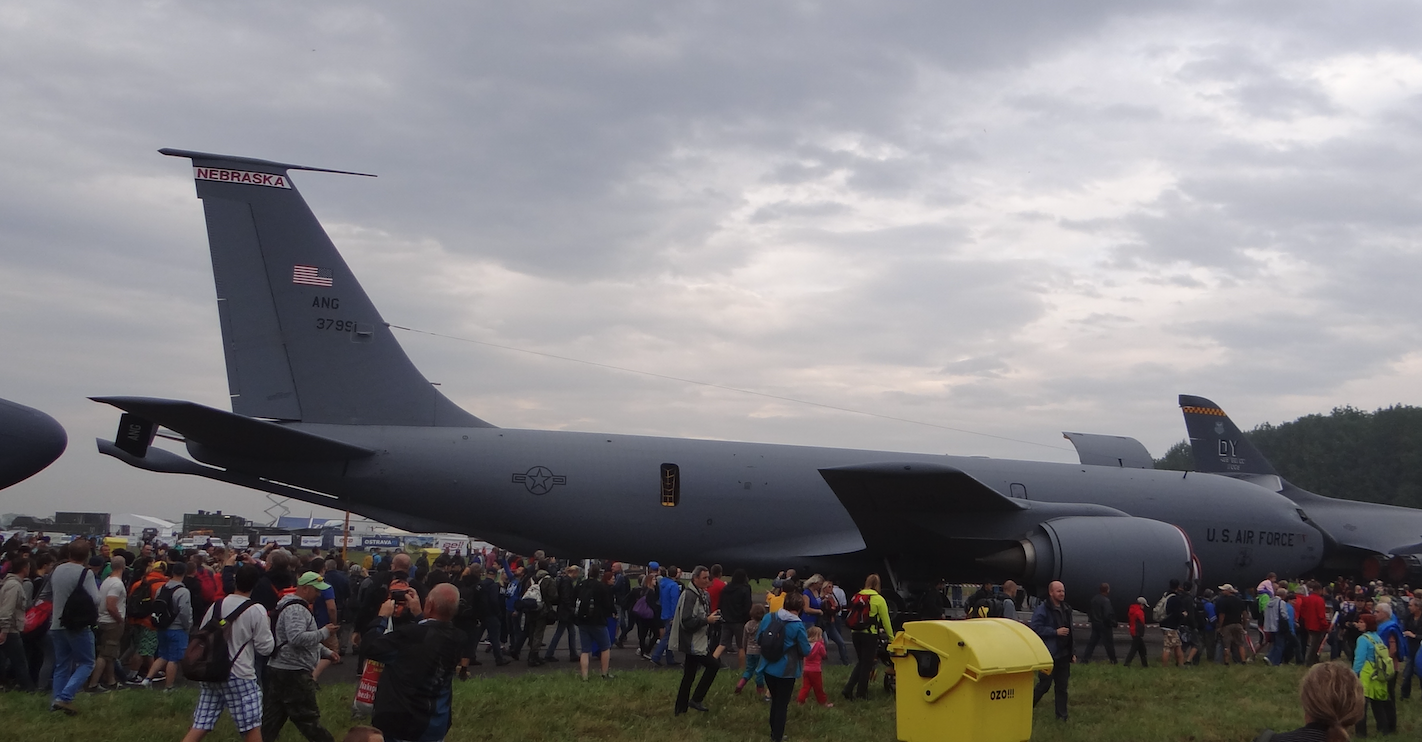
[[1349, 453]]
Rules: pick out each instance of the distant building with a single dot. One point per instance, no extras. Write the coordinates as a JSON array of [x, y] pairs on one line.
[[215, 524], [132, 524], [82, 524]]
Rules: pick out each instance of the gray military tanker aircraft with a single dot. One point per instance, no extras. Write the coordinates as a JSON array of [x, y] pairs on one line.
[[327, 408], [29, 441], [1363, 538]]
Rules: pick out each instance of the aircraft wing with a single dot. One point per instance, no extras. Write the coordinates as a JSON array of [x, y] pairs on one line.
[[886, 500], [927, 489], [235, 434]]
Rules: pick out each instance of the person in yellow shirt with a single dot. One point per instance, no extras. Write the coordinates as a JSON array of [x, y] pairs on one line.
[[775, 599], [866, 639]]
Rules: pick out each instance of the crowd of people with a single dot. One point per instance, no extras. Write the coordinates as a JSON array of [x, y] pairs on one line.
[[77, 618], [1370, 628]]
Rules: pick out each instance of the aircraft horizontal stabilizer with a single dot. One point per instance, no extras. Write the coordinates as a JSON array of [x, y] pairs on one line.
[[167, 462], [235, 434]]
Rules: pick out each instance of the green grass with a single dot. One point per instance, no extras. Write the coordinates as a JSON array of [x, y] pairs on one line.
[[1108, 704]]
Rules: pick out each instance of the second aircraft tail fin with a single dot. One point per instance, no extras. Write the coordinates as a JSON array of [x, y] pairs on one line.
[[302, 340], [1218, 445]]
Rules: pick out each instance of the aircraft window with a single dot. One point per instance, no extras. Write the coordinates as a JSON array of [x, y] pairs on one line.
[[1019, 491], [671, 485]]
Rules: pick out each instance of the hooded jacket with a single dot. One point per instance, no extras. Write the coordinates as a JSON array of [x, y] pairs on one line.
[[692, 611], [797, 645], [12, 604], [297, 635]]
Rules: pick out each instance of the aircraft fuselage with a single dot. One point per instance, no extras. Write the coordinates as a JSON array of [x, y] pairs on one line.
[[760, 506]]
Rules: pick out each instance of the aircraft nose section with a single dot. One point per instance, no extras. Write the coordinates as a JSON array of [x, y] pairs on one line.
[[29, 441]]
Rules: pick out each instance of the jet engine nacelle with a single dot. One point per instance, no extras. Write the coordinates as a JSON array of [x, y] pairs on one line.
[[1136, 556]]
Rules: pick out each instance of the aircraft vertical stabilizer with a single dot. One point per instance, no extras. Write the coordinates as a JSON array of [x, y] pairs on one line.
[[1217, 444], [302, 340]]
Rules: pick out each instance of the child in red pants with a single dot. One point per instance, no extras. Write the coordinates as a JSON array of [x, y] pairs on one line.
[[814, 678]]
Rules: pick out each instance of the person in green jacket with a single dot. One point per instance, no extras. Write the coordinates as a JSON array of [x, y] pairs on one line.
[[1372, 653], [866, 640]]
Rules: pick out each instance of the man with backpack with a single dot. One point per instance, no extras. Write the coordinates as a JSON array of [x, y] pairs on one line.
[[533, 603], [172, 616], [563, 605], [592, 614], [1170, 614], [1377, 671], [868, 621], [288, 683], [75, 598], [242, 632]]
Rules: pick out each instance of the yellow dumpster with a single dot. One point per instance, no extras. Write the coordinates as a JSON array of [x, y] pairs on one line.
[[967, 679]]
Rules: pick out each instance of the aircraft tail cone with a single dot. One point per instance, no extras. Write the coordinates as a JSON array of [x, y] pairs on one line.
[[1017, 561]]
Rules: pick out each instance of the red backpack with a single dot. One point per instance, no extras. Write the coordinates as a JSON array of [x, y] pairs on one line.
[[857, 618]]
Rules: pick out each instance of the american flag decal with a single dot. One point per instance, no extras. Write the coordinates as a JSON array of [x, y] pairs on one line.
[[310, 275]]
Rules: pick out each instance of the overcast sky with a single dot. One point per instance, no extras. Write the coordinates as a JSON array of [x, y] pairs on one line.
[[1009, 218]]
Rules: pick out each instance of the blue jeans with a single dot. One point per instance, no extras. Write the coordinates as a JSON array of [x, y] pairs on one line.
[[1286, 647], [662, 648], [558, 634], [832, 632], [73, 661]]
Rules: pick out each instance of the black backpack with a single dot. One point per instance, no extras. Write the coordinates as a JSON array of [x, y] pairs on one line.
[[206, 659], [471, 604], [585, 606], [80, 612], [772, 640], [164, 608], [140, 602]]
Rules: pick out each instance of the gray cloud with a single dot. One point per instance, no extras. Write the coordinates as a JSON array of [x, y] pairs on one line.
[[1014, 219]]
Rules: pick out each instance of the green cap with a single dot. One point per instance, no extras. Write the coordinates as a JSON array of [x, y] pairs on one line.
[[311, 578]]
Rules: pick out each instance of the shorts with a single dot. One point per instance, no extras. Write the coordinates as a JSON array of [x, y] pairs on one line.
[[146, 639], [110, 638], [172, 643], [1172, 638], [1232, 635], [240, 696], [731, 640], [593, 638]]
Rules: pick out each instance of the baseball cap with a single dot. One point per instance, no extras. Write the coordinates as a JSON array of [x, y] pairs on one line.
[[1227, 588], [1142, 601], [653, 565], [313, 579]]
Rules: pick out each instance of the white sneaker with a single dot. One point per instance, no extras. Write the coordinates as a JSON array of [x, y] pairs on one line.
[[147, 683]]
